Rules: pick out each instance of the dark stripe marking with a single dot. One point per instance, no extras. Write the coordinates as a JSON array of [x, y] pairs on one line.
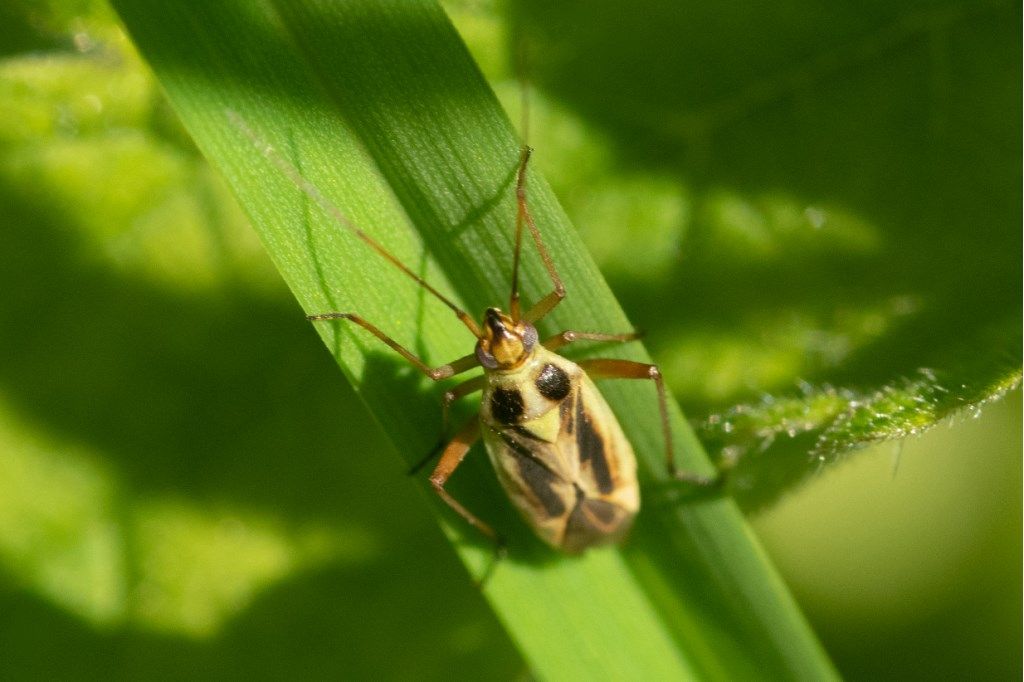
[[512, 443], [507, 405], [593, 522], [591, 447], [565, 413], [527, 433], [537, 477], [601, 512], [552, 382]]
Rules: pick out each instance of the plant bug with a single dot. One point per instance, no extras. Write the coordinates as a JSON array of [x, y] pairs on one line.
[[555, 444]]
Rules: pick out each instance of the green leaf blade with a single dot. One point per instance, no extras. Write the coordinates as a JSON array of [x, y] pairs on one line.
[[379, 105]]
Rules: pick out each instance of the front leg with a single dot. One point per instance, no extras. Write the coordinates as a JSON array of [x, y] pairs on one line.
[[459, 366]]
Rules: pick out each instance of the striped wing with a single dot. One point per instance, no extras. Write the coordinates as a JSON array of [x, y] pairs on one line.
[[573, 481]]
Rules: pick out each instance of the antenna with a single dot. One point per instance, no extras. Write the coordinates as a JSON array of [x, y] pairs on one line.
[[327, 206], [546, 304], [524, 157]]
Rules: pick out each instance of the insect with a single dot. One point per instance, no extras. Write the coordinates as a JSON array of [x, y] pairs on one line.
[[555, 444]]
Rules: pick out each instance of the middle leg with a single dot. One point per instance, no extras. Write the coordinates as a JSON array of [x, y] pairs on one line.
[[627, 369], [465, 388], [451, 458]]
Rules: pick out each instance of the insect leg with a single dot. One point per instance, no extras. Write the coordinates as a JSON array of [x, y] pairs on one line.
[[436, 373], [460, 391], [627, 369], [450, 459], [546, 304], [450, 396], [289, 170], [568, 336]]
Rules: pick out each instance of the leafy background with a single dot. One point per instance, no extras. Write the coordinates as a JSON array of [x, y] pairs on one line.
[[829, 208]]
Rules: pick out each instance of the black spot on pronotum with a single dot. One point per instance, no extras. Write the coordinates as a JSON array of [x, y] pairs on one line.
[[591, 447], [553, 383], [506, 405], [538, 478]]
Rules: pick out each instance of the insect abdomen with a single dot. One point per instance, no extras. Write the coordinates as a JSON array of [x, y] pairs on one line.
[[562, 459]]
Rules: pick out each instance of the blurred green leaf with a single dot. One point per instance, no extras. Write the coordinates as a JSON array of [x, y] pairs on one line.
[[171, 491], [842, 190], [907, 557]]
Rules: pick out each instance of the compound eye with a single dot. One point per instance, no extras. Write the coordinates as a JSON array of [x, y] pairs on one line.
[[485, 359], [529, 338]]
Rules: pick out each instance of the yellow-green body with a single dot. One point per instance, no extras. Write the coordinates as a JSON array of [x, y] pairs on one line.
[[563, 459]]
